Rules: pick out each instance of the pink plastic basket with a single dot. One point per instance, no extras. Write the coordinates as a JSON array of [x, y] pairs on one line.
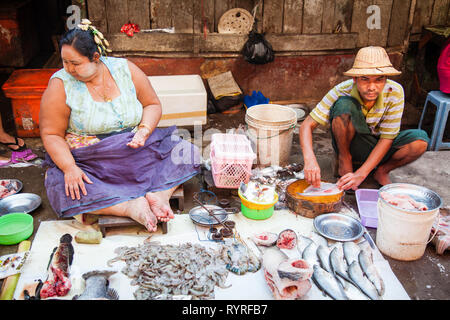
[[367, 200], [231, 159]]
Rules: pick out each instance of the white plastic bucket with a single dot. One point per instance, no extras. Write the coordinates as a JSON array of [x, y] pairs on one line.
[[270, 129], [402, 234]]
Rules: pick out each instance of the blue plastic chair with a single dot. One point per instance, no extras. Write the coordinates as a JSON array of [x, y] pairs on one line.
[[442, 103]]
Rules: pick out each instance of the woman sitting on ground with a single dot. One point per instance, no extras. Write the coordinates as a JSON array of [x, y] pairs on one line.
[[98, 121]]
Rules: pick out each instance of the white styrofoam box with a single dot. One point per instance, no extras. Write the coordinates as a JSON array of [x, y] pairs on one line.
[[183, 99]]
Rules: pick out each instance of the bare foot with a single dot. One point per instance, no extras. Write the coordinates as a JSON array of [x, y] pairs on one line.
[[139, 210], [345, 165], [160, 206], [382, 177]]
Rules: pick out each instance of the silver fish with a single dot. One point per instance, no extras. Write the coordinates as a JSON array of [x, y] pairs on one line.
[[324, 257], [354, 293], [351, 251], [303, 242], [356, 274], [339, 267], [327, 283], [318, 239], [97, 287], [310, 254], [366, 262]]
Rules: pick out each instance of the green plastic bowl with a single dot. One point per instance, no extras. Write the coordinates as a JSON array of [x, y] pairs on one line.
[[256, 214], [15, 227]]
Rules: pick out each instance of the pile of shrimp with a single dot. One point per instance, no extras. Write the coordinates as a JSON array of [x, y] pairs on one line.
[[186, 269]]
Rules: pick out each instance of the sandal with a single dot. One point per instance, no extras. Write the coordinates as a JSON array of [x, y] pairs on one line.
[[20, 148]]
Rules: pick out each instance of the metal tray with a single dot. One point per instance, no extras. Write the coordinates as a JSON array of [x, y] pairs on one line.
[[14, 184], [338, 227], [431, 199], [201, 217], [23, 202]]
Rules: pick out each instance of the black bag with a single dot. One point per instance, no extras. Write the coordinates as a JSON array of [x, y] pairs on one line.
[[257, 49]]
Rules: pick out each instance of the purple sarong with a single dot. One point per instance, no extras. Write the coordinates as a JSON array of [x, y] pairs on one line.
[[120, 173]]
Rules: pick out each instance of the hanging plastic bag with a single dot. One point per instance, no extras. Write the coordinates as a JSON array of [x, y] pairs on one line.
[[257, 49]]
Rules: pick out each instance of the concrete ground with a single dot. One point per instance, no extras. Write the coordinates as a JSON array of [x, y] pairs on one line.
[[423, 279]]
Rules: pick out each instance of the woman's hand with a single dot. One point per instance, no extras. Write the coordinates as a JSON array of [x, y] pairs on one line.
[[139, 138], [74, 179], [351, 180], [312, 172]]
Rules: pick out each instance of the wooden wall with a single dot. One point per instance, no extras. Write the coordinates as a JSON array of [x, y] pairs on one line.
[[290, 25]]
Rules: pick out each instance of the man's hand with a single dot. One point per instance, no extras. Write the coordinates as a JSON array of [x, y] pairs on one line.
[[350, 180], [74, 179], [312, 172]]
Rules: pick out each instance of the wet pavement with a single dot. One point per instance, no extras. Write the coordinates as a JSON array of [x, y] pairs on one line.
[[423, 279]]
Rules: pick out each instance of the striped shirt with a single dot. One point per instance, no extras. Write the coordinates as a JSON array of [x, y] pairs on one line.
[[383, 118]]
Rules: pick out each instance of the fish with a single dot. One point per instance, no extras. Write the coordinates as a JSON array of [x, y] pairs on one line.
[[357, 275], [310, 254], [266, 239], [367, 265], [339, 266], [318, 239], [97, 287], [286, 283], [287, 239], [328, 284], [351, 251], [324, 257], [58, 282], [302, 243], [295, 269]]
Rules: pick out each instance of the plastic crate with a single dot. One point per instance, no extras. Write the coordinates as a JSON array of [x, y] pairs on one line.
[[367, 200], [231, 160]]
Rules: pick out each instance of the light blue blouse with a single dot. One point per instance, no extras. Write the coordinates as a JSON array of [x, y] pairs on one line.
[[90, 117]]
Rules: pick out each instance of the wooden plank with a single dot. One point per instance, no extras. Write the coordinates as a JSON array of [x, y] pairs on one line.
[[176, 43], [139, 13], [160, 42], [273, 16], [440, 10], [359, 21], [378, 37], [328, 16], [398, 25], [293, 16], [312, 16], [222, 6], [117, 14], [161, 14], [183, 16], [245, 4], [343, 16], [207, 12], [422, 15], [97, 14], [306, 42]]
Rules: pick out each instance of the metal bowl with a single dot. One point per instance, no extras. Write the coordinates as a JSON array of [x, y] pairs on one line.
[[14, 184], [23, 202], [430, 198], [201, 217], [338, 227]]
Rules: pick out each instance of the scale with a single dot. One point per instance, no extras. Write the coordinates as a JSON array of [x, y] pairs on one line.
[[209, 214]]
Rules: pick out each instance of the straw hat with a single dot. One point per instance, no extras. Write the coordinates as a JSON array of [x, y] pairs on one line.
[[372, 61]]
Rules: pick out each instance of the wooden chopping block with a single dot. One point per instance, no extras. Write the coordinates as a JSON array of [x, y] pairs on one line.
[[311, 207]]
